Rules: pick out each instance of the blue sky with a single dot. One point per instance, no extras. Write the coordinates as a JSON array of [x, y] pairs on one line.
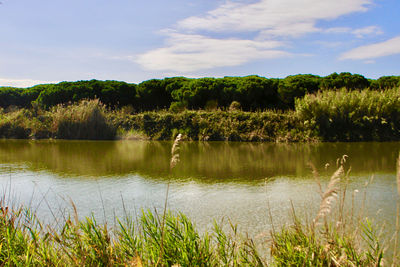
[[130, 40]]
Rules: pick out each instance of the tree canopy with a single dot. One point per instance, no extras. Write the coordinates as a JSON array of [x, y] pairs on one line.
[[251, 92]]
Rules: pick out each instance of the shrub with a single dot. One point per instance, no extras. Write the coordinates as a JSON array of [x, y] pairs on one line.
[[15, 124], [235, 105], [353, 115], [85, 120], [177, 107]]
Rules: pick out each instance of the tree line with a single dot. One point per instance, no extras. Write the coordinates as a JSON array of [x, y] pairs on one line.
[[249, 93]]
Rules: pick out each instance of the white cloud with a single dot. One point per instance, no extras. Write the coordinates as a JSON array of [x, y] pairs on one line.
[[367, 52], [359, 33], [370, 30], [269, 21], [21, 82], [338, 30], [186, 53], [291, 29], [329, 44], [273, 15]]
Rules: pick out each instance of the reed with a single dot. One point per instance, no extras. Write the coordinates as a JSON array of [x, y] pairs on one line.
[[24, 241], [85, 120], [175, 151], [330, 242], [346, 115], [329, 196]]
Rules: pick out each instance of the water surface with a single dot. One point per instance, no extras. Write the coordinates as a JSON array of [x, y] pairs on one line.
[[214, 180]]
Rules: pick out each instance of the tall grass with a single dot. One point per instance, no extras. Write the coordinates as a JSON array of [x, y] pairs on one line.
[[345, 115], [336, 237], [25, 242], [236, 125], [14, 124], [85, 120]]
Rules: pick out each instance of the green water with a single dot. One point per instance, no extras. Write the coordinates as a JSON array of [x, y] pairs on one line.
[[216, 180]]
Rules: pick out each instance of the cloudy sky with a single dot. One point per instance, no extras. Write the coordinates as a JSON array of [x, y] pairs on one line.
[[134, 40]]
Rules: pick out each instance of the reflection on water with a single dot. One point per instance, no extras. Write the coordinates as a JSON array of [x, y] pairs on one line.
[[213, 180], [202, 161]]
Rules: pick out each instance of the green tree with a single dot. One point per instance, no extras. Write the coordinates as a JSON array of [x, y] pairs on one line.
[[344, 80], [296, 86]]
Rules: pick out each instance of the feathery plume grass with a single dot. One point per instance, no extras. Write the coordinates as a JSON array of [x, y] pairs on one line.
[[329, 196], [175, 151], [316, 178]]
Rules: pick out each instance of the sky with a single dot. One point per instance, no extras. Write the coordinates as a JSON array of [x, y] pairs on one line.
[[47, 41]]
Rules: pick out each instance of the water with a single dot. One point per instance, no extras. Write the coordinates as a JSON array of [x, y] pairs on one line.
[[242, 182]]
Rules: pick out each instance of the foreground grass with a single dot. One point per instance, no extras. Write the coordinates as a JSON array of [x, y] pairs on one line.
[[153, 240]]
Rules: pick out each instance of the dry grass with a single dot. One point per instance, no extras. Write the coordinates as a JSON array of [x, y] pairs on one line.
[[343, 239], [175, 151], [85, 120], [329, 196]]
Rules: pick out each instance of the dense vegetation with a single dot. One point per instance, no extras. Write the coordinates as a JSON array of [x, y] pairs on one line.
[[341, 115], [338, 107], [251, 92], [345, 115]]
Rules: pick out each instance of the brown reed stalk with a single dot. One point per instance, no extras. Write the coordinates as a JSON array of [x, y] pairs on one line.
[[174, 160], [316, 178], [175, 151], [329, 196]]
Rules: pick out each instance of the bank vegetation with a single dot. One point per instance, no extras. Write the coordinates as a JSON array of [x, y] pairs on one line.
[[298, 108]]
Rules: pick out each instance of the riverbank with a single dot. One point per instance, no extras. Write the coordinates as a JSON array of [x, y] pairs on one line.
[[92, 120], [340, 115]]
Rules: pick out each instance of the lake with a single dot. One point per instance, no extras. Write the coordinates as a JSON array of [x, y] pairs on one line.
[[242, 182]]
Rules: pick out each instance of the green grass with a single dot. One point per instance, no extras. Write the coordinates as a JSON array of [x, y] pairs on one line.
[[152, 240], [345, 115], [84, 120], [272, 126]]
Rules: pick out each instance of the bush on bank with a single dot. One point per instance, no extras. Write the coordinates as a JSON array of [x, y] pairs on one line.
[[84, 120], [345, 115], [217, 125]]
